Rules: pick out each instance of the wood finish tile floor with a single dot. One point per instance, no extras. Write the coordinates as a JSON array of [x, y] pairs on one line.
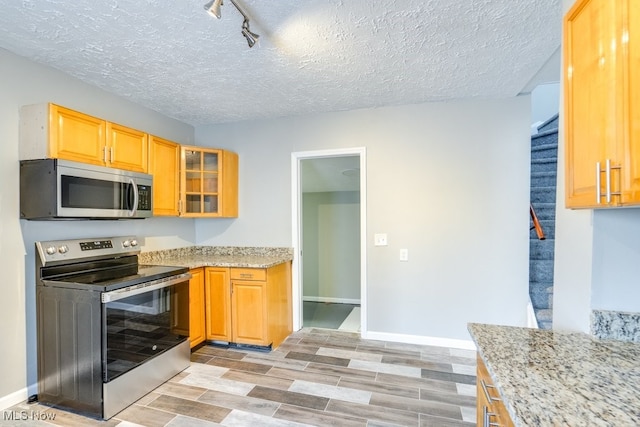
[[317, 377]]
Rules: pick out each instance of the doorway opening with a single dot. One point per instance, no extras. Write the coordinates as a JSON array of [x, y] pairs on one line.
[[329, 275]]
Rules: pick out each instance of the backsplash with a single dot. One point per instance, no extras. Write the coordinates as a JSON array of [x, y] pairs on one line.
[[616, 325], [158, 256]]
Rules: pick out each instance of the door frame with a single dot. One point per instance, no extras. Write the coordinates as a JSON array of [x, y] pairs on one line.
[[296, 232]]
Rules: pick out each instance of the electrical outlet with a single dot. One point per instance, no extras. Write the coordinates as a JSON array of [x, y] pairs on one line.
[[380, 239], [404, 254]]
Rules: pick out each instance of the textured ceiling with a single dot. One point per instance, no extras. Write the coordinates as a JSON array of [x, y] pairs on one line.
[[313, 55]]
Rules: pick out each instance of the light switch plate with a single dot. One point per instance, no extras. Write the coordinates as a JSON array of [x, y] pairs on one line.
[[380, 239], [404, 254]]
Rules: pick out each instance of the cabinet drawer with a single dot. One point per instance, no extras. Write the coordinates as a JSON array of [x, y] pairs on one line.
[[248, 274]]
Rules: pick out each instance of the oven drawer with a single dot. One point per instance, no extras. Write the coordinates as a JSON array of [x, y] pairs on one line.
[[248, 274]]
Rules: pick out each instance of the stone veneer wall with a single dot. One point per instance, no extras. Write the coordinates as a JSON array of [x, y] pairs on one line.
[[616, 325]]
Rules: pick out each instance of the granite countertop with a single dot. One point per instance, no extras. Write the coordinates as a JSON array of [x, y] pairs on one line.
[[216, 256], [549, 378]]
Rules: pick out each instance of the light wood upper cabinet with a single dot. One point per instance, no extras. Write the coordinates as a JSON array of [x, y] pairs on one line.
[[188, 181], [602, 108], [208, 182], [164, 165], [51, 131], [76, 136], [197, 329], [193, 181], [127, 148], [633, 97], [55, 132]]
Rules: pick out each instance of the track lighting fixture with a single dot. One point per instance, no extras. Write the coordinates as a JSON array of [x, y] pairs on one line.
[[252, 38], [213, 9]]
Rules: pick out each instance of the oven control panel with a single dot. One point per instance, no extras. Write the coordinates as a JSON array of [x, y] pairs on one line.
[[98, 244], [68, 250]]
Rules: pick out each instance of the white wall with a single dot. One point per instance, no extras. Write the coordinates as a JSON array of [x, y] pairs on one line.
[[616, 260], [264, 188], [545, 102], [448, 181], [24, 82], [331, 246], [573, 247]]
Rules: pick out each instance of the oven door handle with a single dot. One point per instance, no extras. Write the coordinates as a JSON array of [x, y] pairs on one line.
[[153, 285]]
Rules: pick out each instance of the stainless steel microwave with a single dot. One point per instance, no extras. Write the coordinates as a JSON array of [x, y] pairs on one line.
[[62, 189]]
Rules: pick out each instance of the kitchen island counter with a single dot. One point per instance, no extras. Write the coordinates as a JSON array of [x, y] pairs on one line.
[[548, 378]]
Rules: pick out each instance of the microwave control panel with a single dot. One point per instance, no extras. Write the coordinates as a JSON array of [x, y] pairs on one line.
[[144, 197]]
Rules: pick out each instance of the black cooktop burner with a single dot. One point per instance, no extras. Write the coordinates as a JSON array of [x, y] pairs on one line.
[[145, 273], [106, 275]]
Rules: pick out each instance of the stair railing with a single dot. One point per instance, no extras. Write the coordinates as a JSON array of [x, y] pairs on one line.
[[536, 223]]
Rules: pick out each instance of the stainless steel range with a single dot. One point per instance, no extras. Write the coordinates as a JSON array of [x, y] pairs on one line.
[[109, 329]]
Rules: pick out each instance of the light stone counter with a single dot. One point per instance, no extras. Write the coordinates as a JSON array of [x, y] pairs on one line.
[[218, 256], [617, 325], [549, 378]]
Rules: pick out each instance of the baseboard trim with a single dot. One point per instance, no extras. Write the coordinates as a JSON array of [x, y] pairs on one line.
[[421, 340], [330, 299], [13, 399]]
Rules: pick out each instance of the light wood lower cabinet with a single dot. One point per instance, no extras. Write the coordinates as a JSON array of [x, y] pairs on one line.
[[249, 305], [197, 307], [218, 304], [249, 312], [490, 410]]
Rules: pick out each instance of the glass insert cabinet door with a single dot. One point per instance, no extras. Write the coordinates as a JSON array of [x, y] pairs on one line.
[[200, 181]]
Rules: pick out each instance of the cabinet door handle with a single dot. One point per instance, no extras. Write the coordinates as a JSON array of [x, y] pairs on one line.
[[598, 189], [111, 154], [486, 418], [246, 275], [607, 177], [485, 388], [104, 154]]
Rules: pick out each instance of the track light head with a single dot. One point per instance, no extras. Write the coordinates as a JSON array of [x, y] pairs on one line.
[[252, 38], [213, 8]]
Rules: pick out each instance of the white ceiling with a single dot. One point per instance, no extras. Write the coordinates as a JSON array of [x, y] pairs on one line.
[[313, 55], [330, 174]]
